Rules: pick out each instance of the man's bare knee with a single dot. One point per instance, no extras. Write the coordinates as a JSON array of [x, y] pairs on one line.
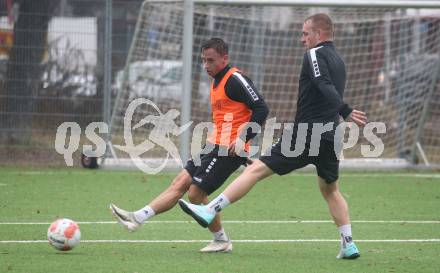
[[180, 184], [328, 190], [196, 195], [258, 169]]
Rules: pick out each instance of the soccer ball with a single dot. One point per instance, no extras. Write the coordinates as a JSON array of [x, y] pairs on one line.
[[63, 234]]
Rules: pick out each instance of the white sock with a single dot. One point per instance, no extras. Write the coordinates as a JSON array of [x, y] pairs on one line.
[[345, 232], [219, 203], [144, 214], [220, 235]]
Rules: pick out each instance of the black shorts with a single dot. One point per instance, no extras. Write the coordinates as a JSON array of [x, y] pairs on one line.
[[326, 162], [213, 170]]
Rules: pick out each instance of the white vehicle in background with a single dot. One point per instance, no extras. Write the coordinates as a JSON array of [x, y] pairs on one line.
[[157, 80]]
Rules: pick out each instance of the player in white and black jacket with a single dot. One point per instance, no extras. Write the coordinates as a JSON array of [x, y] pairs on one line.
[[321, 88]]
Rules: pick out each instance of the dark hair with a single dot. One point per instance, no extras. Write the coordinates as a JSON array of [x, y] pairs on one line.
[[323, 22], [217, 44]]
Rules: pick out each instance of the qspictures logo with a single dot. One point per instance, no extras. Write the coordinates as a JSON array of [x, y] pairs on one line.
[[162, 126]]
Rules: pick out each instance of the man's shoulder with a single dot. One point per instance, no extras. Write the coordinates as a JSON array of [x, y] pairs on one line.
[[319, 51], [239, 78], [323, 53], [239, 87]]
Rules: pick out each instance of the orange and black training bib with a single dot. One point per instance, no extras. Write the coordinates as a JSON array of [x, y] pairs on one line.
[[228, 115]]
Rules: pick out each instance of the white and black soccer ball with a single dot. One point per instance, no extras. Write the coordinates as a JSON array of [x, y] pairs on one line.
[[64, 234]]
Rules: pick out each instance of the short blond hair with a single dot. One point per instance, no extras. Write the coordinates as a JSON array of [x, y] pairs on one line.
[[322, 22]]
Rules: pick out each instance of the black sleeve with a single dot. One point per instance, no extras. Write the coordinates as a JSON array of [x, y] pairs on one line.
[[320, 75], [240, 88]]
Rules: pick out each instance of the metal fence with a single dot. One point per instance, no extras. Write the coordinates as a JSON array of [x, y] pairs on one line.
[[57, 59], [57, 62]]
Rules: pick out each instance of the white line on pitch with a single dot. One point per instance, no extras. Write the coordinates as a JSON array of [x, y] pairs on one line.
[[384, 174], [244, 222], [235, 241]]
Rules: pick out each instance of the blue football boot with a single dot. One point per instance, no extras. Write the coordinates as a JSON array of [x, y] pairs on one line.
[[349, 251], [200, 213]]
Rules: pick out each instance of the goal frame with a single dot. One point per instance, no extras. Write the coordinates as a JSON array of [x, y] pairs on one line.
[[187, 47]]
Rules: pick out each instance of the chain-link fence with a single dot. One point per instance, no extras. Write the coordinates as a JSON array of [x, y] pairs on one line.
[[61, 60], [52, 67]]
